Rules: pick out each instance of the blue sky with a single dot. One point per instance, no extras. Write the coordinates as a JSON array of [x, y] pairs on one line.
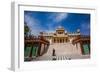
[[49, 21]]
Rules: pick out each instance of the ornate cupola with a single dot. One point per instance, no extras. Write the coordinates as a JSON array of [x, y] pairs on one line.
[[60, 30], [78, 30]]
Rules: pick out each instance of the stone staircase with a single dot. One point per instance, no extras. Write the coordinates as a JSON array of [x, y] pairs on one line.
[[63, 51]]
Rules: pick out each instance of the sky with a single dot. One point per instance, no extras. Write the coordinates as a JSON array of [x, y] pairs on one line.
[[49, 21]]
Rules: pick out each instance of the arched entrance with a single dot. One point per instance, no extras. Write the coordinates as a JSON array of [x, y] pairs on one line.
[[60, 40]]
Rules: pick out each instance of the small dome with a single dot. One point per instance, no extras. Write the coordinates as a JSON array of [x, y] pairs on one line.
[[78, 30], [60, 28]]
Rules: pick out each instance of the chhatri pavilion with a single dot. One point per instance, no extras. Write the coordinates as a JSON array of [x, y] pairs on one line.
[[61, 36]]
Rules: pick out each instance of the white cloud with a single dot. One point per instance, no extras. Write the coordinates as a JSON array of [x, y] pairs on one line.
[[57, 17], [31, 21], [54, 19], [36, 26], [61, 17], [33, 24], [50, 26]]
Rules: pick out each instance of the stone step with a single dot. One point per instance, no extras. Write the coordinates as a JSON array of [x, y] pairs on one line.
[[61, 49], [67, 57]]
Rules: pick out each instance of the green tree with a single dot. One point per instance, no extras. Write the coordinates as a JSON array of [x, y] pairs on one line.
[[26, 29]]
